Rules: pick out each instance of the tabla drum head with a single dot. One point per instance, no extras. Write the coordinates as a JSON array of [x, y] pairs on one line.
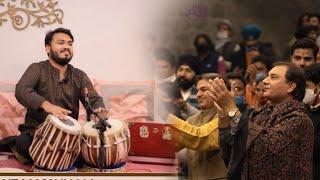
[[116, 125], [69, 124]]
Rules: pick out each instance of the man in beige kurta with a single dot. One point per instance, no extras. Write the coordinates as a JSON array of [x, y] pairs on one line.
[[199, 134]]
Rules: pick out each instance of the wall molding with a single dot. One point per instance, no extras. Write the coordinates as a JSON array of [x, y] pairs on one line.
[[26, 13]]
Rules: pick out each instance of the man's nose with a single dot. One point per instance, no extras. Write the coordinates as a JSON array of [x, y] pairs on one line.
[[199, 93], [266, 81], [302, 63]]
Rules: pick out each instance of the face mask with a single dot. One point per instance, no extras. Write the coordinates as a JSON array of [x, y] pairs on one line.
[[239, 100], [310, 96], [222, 34], [252, 48], [202, 48]]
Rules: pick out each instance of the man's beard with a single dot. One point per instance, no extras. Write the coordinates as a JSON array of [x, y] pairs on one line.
[[184, 84], [61, 61]]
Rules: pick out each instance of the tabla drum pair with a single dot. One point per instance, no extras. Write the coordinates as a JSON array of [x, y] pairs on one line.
[[57, 144]]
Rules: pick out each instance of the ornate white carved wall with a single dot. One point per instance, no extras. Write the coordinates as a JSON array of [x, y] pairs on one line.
[[112, 38]]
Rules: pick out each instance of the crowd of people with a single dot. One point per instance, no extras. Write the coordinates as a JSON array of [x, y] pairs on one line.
[[255, 109]]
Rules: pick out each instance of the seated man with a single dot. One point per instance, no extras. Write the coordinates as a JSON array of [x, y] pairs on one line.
[[51, 87]]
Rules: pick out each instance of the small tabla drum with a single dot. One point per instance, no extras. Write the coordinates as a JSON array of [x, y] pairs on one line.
[[56, 144], [116, 148]]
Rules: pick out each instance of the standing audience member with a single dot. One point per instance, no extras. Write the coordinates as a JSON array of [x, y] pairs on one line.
[[238, 85], [259, 100], [312, 100], [309, 31], [279, 139], [304, 52], [314, 19], [210, 60], [199, 134], [224, 44], [256, 70], [303, 20], [165, 65], [250, 48]]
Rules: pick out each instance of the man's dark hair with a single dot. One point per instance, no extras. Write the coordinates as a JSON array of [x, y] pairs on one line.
[[208, 40], [234, 75], [313, 73], [49, 35], [296, 75], [212, 76], [305, 43], [166, 55]]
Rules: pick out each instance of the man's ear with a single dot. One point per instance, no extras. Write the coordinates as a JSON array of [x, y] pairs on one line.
[[318, 88], [48, 48], [292, 87]]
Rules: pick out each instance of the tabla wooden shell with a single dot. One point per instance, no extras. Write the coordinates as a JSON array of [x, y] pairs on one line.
[[116, 148], [56, 143]]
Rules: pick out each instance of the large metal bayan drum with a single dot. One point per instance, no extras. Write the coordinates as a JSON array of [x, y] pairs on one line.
[[116, 148], [56, 144]]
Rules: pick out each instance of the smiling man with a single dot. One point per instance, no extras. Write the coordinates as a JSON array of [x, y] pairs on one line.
[[199, 134], [279, 139], [51, 87]]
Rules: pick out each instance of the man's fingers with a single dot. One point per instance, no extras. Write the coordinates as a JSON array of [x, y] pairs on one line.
[[215, 90], [100, 109], [219, 90], [219, 86], [212, 96], [97, 110], [61, 116], [102, 112], [65, 111], [222, 85]]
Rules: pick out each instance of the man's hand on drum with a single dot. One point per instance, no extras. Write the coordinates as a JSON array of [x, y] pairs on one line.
[[60, 112], [220, 94]]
